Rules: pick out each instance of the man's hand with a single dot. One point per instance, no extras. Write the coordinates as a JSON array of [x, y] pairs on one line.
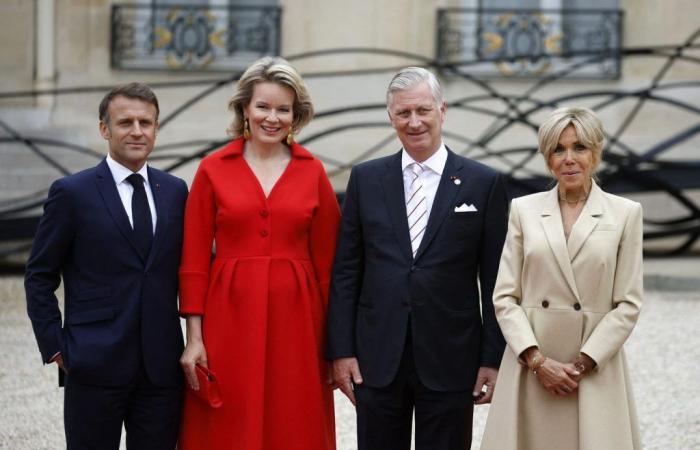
[[486, 377], [329, 376], [194, 353], [58, 359], [346, 372]]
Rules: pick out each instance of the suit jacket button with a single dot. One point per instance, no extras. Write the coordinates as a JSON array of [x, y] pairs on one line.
[[545, 303], [577, 306], [413, 268]]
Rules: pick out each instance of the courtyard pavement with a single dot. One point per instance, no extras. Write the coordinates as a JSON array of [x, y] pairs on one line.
[[663, 352]]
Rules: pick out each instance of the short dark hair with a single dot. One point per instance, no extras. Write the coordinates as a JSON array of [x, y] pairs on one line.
[[138, 91]]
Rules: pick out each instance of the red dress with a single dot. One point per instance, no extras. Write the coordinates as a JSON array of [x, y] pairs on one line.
[[263, 300]]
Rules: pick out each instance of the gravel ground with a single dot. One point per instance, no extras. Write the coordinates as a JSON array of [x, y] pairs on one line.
[[663, 353]]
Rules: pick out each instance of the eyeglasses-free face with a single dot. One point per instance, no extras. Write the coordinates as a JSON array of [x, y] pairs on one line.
[[572, 164]]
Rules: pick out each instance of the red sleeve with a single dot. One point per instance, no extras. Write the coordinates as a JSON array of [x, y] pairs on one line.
[[197, 244], [324, 233]]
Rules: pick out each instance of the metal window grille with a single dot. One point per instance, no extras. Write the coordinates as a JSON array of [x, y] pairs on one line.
[[530, 42], [193, 37]]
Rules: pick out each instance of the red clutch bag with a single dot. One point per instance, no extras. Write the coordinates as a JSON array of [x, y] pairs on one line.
[[208, 391]]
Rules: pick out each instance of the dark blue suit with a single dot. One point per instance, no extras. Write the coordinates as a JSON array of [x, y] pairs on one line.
[[121, 329], [441, 299]]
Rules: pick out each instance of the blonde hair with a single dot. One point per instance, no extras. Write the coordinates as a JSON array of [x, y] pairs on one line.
[[588, 127], [274, 70]]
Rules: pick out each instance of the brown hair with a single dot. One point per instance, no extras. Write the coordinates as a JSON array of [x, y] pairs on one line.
[[137, 91]]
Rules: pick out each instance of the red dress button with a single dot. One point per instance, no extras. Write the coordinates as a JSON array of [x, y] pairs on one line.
[[264, 212], [264, 233]]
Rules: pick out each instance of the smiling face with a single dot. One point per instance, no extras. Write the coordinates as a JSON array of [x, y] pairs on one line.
[[417, 119], [131, 131], [571, 164], [270, 113]]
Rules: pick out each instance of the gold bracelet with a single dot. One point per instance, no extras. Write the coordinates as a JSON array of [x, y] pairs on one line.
[[537, 367], [535, 360], [537, 364]]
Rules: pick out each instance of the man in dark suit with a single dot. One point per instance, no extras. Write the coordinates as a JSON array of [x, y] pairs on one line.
[[113, 232], [411, 324]]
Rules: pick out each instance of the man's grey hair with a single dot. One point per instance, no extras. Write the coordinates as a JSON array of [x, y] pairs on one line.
[[409, 78]]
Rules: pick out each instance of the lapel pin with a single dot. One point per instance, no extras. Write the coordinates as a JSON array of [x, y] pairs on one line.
[[157, 185], [456, 180]]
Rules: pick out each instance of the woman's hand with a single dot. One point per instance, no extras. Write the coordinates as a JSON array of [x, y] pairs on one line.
[[557, 378], [194, 352], [583, 364]]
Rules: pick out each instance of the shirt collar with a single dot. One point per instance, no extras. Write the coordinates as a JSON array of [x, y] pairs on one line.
[[436, 162], [120, 173]]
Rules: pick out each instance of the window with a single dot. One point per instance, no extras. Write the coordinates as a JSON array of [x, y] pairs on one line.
[[529, 38], [194, 34]]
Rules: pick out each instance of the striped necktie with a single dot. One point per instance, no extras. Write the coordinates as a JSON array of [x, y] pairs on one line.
[[416, 208]]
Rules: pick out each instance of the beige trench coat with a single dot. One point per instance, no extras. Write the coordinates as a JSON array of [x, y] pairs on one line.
[[580, 295]]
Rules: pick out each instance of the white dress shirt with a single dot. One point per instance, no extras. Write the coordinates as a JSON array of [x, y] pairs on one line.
[[126, 190], [430, 177]]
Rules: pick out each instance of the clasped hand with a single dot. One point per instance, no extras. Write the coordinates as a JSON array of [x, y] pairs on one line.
[[558, 378]]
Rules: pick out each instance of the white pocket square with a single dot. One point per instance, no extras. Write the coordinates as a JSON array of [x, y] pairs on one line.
[[465, 208]]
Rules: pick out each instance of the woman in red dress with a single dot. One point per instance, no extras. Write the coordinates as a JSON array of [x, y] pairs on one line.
[[256, 312]]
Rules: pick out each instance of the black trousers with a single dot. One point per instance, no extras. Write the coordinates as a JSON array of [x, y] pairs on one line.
[[93, 415], [385, 415]]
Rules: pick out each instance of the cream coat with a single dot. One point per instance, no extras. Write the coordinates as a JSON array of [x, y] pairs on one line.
[[600, 269]]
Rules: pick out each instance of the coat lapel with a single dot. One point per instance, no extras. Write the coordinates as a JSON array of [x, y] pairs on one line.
[[554, 232], [586, 222], [159, 194], [392, 185], [110, 195], [443, 202]]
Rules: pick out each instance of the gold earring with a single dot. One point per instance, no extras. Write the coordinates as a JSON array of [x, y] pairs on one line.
[[290, 137], [246, 129]]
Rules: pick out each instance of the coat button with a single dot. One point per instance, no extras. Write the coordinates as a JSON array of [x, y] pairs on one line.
[[264, 212], [264, 233], [413, 268], [545, 303], [577, 306]]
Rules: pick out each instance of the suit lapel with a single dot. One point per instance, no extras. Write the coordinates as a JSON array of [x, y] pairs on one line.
[[110, 195], [395, 201], [444, 200], [586, 221], [159, 194], [554, 232]]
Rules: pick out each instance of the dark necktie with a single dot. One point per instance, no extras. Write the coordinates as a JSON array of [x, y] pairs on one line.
[[141, 215]]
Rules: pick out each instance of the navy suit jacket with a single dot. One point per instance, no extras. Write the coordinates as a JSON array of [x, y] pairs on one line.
[[120, 309], [446, 290]]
